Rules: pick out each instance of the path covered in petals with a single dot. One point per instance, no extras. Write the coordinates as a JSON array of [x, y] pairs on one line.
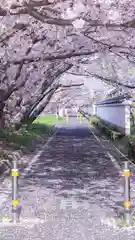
[[71, 188]]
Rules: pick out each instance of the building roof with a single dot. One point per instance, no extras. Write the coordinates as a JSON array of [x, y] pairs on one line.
[[118, 99]]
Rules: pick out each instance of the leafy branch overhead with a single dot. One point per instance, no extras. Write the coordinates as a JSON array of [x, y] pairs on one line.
[[43, 41]]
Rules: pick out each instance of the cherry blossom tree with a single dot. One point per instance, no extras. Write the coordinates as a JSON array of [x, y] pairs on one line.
[[40, 40]]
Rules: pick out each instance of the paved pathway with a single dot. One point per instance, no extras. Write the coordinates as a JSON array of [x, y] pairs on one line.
[[72, 187]]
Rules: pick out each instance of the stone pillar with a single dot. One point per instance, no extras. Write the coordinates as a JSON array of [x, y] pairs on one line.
[[94, 109], [61, 112], [127, 118]]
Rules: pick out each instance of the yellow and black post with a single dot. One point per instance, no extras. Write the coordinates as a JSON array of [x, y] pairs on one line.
[[127, 203], [77, 115], [15, 202], [80, 118]]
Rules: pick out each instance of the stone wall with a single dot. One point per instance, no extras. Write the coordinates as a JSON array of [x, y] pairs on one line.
[[117, 114]]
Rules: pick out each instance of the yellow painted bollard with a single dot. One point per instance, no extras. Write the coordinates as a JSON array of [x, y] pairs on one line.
[[127, 204], [67, 117], [77, 115], [80, 118], [15, 202]]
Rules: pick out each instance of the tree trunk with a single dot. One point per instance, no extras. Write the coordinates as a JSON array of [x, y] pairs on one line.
[[25, 115], [40, 109]]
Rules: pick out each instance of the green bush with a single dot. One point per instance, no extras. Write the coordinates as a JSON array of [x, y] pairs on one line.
[[60, 118], [109, 130], [132, 138], [27, 134], [112, 133], [128, 142]]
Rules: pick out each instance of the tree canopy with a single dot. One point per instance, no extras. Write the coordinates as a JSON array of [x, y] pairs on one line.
[[43, 39]]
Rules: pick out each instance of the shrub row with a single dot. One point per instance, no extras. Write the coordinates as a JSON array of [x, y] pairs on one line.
[[131, 146], [109, 130], [112, 132]]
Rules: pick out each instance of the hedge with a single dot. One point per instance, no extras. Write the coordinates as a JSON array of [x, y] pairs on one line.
[[112, 132], [106, 128]]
